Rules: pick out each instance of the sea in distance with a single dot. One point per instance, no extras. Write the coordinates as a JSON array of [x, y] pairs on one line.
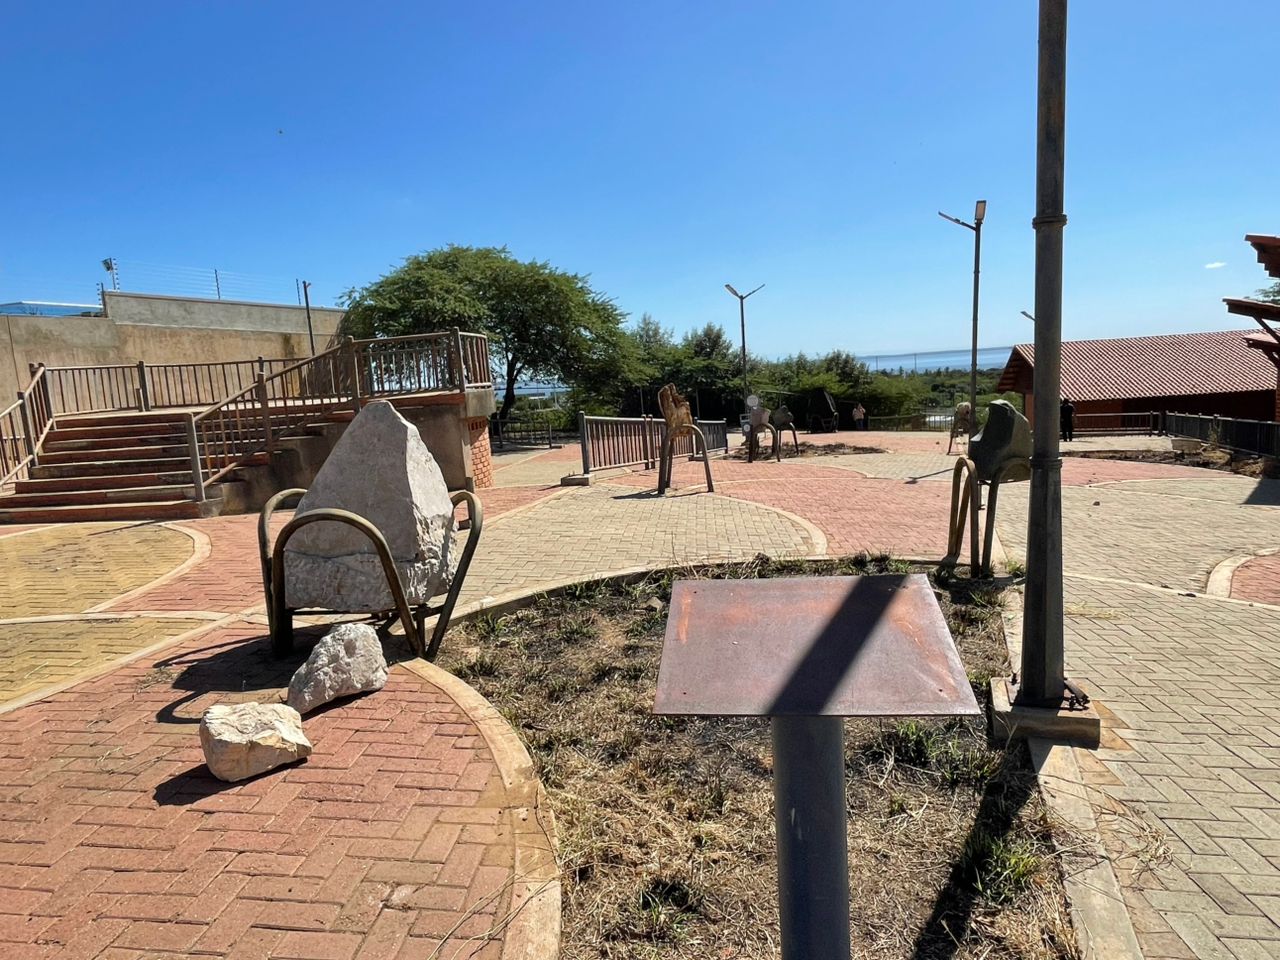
[[989, 358]]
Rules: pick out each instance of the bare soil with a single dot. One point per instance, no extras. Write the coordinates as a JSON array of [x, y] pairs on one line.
[[807, 449], [665, 825], [1210, 458]]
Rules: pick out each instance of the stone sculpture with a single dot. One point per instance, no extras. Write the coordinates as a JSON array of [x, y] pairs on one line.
[[347, 660], [381, 470], [243, 740]]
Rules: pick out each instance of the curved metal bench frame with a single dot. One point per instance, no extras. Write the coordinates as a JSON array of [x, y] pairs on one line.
[[753, 442], [963, 493], [667, 456], [280, 614]]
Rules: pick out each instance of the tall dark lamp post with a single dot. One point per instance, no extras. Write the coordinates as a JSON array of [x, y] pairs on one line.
[[742, 318], [979, 214], [1042, 680]]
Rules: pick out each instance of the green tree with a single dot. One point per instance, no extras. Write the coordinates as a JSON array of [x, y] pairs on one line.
[[541, 322], [1269, 294]]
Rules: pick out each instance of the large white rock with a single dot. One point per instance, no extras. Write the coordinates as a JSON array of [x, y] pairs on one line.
[[243, 740], [346, 661], [381, 470]]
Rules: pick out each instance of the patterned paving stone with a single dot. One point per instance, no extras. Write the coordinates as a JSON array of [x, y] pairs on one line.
[[38, 654], [1258, 579], [69, 568], [395, 834]]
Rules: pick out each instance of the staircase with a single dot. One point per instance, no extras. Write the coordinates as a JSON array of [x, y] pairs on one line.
[[128, 466]]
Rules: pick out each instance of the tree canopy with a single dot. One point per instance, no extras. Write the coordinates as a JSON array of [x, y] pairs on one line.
[[541, 322]]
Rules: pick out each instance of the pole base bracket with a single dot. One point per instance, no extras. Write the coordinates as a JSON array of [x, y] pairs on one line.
[[1072, 720]]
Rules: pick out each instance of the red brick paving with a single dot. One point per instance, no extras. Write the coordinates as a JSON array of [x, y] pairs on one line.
[[499, 500], [116, 841], [1080, 471], [1258, 579], [733, 472]]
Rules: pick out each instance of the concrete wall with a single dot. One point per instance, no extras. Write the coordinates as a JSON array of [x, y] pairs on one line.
[[158, 330]]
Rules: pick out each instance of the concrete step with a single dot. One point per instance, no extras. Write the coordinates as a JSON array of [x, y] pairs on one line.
[[125, 417], [98, 468], [95, 454], [145, 494], [56, 441], [111, 431], [152, 510], [103, 482]]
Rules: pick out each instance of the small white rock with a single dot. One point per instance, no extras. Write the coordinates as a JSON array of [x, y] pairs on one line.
[[243, 740], [348, 660]]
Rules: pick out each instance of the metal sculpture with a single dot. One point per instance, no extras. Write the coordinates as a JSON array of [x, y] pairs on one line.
[[783, 419], [961, 422], [679, 418], [824, 416], [758, 418], [413, 618], [1001, 453]]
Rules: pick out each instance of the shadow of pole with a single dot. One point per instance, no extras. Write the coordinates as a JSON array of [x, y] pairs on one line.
[[1003, 798]]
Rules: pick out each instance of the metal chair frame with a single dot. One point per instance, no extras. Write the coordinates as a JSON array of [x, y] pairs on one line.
[[667, 455], [280, 614], [753, 442], [963, 493]]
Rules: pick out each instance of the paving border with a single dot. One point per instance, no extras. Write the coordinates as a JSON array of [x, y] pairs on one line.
[[201, 550], [533, 924], [1099, 917], [1221, 576]]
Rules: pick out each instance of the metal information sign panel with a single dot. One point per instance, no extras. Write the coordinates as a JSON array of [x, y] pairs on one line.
[[806, 652]]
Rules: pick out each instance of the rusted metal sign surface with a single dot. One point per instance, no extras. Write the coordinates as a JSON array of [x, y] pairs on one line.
[[810, 646]]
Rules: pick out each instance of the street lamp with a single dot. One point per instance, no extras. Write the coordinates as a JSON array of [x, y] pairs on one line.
[[742, 318], [979, 214], [1028, 316]]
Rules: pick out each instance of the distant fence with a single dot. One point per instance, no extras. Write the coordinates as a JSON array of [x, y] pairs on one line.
[[1252, 436], [1117, 424], [635, 441], [520, 433], [912, 421]]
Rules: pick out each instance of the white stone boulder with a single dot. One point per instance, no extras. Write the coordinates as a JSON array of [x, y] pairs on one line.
[[347, 660], [243, 740], [381, 470]]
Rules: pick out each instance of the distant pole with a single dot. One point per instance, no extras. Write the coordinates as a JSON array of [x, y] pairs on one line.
[[979, 213], [306, 299], [742, 319], [217, 284], [1043, 679]]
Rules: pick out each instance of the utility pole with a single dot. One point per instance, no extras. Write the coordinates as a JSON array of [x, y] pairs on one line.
[[742, 319], [979, 214], [1042, 680], [306, 299]]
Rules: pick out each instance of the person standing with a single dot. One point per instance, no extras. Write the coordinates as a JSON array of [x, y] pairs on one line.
[[1067, 419], [859, 417]]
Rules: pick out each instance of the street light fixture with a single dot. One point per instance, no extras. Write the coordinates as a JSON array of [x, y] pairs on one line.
[[1028, 316], [979, 214], [742, 319]]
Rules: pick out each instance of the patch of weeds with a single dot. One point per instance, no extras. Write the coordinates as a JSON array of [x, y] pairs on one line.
[[1000, 867], [1015, 568], [480, 666]]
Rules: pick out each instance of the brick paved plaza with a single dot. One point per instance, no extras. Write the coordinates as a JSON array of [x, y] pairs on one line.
[[412, 830]]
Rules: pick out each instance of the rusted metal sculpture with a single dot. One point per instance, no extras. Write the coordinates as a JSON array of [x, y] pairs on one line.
[[280, 614], [1001, 453], [679, 418], [758, 419], [961, 422], [824, 416], [783, 419]]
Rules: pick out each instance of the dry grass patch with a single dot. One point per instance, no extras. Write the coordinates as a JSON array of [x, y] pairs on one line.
[[666, 824]]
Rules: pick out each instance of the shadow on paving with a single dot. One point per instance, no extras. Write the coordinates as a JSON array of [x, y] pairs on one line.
[[1003, 798], [244, 666]]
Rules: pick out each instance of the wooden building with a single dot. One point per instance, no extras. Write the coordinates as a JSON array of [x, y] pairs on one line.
[[1206, 373]]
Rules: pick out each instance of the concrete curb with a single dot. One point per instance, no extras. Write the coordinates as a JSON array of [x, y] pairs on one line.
[[1099, 917], [533, 930], [1220, 577]]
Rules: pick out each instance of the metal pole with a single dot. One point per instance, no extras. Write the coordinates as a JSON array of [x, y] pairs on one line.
[[1042, 679], [813, 846], [217, 284], [742, 318], [306, 300], [973, 350]]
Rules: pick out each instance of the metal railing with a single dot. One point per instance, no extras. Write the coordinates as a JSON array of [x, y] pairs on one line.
[[520, 433], [1116, 424], [104, 388], [23, 427], [633, 441], [250, 422], [1251, 436]]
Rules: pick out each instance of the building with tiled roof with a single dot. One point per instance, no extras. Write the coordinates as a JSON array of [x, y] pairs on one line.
[[1206, 373]]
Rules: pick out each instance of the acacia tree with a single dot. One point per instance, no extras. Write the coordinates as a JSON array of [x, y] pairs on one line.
[[541, 322], [1269, 294]]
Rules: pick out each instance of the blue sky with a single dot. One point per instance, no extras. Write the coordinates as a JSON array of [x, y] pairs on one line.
[[663, 148]]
